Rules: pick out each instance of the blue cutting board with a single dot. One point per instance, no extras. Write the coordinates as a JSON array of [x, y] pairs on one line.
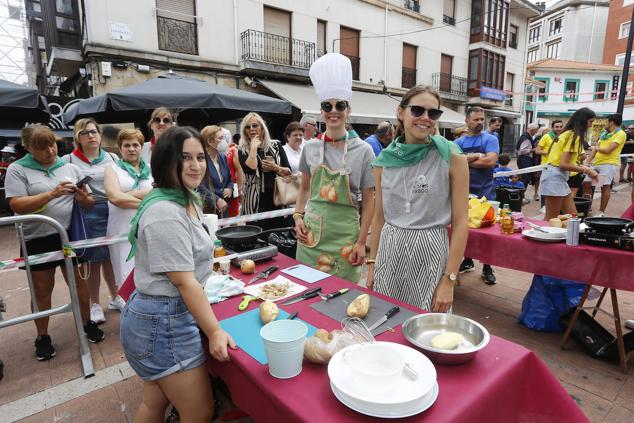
[[245, 330]]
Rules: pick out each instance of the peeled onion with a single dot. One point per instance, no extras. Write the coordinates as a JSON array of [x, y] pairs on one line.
[[247, 267]]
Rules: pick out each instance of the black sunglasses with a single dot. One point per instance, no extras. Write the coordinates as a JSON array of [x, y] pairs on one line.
[[418, 111], [164, 120], [340, 106]]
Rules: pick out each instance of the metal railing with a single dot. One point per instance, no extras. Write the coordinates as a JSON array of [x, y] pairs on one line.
[[413, 5], [73, 306], [356, 63], [448, 83], [408, 78], [176, 35], [276, 49]]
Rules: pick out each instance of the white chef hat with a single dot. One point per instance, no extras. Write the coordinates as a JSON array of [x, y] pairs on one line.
[[331, 76], [8, 149]]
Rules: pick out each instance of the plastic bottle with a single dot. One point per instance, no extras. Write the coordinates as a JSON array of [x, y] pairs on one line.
[[506, 220]]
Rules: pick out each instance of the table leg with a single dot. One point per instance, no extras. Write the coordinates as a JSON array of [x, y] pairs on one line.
[[596, 307], [574, 317], [619, 331]]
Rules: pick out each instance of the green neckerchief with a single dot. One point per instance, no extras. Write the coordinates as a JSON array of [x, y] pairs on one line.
[[351, 134], [154, 196], [399, 154], [31, 163], [607, 135], [552, 135], [144, 171]]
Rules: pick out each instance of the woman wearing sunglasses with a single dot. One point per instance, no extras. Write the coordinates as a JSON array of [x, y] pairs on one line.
[[262, 160], [424, 187], [160, 121], [336, 170]]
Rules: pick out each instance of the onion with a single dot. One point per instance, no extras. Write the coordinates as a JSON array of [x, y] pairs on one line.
[[247, 266]]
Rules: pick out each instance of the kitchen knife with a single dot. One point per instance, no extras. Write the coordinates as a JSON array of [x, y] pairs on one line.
[[391, 312], [333, 294], [263, 275], [306, 295]]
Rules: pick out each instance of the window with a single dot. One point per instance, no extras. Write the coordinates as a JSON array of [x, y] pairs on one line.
[[509, 86], [413, 5], [513, 34], [600, 90], [552, 50], [277, 36], [624, 31], [571, 89], [409, 66], [446, 71], [542, 93], [321, 38], [554, 26], [533, 34], [177, 28], [619, 60], [350, 48], [448, 12], [485, 68], [489, 21], [532, 55]]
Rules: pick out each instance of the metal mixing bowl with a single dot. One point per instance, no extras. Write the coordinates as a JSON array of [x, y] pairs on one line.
[[422, 328]]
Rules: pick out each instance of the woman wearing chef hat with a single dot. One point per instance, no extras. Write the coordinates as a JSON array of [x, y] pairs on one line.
[[336, 170]]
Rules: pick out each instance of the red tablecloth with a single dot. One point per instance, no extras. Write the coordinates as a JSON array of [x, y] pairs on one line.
[[505, 382], [601, 266]]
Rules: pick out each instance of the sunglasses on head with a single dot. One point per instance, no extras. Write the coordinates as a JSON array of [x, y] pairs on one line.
[[418, 111], [340, 106], [165, 120]]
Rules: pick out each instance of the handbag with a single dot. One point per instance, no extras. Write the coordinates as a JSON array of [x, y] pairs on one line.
[[79, 230], [480, 214], [286, 188]]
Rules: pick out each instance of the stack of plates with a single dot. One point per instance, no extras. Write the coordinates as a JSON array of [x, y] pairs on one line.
[[551, 234], [408, 398]]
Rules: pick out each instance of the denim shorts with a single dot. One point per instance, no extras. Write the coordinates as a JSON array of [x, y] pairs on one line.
[[97, 221], [554, 182], [160, 336]]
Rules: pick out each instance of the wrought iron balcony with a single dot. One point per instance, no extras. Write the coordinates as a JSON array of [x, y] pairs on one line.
[[356, 61], [408, 77], [450, 84], [176, 35], [412, 5], [277, 50]]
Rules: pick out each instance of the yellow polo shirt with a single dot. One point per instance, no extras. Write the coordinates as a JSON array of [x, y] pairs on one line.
[[544, 143], [613, 158], [565, 145]]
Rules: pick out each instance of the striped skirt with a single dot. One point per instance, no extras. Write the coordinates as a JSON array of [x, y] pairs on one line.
[[410, 263]]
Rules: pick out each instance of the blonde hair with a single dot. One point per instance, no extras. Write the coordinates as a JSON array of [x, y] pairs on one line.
[[245, 141], [80, 125], [38, 137], [208, 133], [130, 134], [160, 111]]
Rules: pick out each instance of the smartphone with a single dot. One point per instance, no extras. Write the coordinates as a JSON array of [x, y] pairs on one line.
[[83, 182]]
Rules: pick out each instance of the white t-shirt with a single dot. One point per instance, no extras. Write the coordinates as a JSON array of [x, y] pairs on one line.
[[293, 156]]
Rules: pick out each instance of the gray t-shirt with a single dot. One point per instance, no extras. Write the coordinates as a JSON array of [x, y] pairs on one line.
[[358, 161], [21, 181], [96, 172], [169, 240]]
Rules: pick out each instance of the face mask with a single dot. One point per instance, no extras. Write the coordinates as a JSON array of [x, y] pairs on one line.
[[223, 146]]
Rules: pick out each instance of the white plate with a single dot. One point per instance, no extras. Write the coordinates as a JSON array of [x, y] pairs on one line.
[[405, 392], [293, 288], [538, 236], [388, 412]]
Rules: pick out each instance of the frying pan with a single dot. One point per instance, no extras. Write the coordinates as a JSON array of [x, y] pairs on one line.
[[610, 224], [245, 234]]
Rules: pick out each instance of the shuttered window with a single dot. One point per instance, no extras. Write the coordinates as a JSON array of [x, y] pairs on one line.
[[183, 10], [177, 29], [350, 48]]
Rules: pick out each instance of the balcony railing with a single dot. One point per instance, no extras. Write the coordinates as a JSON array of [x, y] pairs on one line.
[[412, 5], [448, 20], [450, 84], [356, 61], [408, 78], [277, 49], [176, 35]]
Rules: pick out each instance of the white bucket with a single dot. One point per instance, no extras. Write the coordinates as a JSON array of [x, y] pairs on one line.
[[284, 345]]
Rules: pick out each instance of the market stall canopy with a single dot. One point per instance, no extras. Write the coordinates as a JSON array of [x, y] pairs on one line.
[[194, 100], [20, 104], [367, 108]]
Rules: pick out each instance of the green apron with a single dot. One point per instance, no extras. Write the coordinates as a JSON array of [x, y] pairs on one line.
[[332, 221]]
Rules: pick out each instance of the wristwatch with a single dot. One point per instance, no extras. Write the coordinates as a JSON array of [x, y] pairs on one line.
[[452, 277]]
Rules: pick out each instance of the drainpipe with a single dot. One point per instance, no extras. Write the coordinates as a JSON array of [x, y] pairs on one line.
[[385, 48], [594, 12], [237, 35]]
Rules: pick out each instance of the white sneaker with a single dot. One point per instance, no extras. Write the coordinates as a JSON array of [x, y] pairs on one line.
[[629, 324], [600, 214], [96, 314], [116, 304]]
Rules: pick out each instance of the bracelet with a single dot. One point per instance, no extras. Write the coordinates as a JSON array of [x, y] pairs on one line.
[[298, 214], [370, 261]]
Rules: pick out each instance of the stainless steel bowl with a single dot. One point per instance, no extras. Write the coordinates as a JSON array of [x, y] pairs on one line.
[[421, 329]]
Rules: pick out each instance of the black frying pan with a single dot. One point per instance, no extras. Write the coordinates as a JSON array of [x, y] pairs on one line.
[[245, 234], [610, 224]]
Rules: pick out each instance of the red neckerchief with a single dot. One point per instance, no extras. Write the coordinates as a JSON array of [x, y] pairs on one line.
[[152, 144], [80, 155], [328, 139]]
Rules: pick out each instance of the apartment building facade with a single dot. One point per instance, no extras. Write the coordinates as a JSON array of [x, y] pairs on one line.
[[85, 48]]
